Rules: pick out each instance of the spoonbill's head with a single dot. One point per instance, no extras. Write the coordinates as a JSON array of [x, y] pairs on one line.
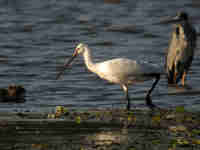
[[180, 17], [78, 50]]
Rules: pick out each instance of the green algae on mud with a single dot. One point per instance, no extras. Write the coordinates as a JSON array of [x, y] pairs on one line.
[[101, 129]]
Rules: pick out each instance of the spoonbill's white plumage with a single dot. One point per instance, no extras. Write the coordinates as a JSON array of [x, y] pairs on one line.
[[121, 71]]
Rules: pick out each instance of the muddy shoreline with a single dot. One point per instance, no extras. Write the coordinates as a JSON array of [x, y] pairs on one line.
[[101, 129]]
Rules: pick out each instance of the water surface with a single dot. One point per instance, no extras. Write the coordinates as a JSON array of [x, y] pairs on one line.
[[36, 37]]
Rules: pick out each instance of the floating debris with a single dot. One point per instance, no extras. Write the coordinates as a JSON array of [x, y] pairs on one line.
[[60, 111], [28, 28], [104, 43], [14, 93], [125, 29], [112, 1], [84, 18]]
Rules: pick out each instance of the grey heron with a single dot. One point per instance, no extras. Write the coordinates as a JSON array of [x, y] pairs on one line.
[[181, 49], [120, 71]]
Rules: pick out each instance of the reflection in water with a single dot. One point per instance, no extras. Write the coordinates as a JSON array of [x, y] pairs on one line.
[[51, 138], [62, 142], [107, 138]]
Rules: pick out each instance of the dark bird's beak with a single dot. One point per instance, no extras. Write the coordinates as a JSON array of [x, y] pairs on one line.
[[171, 20], [180, 16], [66, 65]]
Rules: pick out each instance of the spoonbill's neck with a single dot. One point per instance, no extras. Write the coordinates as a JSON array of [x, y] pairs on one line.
[[88, 59]]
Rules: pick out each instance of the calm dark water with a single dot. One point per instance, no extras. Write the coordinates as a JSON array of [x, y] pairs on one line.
[[37, 35]]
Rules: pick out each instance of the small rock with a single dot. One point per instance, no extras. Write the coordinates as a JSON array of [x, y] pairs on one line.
[[51, 116], [179, 128], [170, 116]]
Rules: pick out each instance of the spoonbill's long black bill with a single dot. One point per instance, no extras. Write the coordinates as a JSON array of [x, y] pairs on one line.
[[65, 66]]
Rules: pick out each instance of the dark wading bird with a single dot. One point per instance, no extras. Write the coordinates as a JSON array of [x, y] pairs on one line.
[[120, 71], [181, 49]]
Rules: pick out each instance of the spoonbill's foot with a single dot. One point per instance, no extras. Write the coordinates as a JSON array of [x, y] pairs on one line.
[[128, 106], [150, 104]]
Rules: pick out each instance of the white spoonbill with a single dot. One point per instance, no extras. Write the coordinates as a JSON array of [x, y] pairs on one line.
[[121, 71]]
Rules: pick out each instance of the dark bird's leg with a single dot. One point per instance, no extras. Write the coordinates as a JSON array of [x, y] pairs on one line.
[[125, 88], [148, 98], [175, 78], [183, 79], [171, 75]]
